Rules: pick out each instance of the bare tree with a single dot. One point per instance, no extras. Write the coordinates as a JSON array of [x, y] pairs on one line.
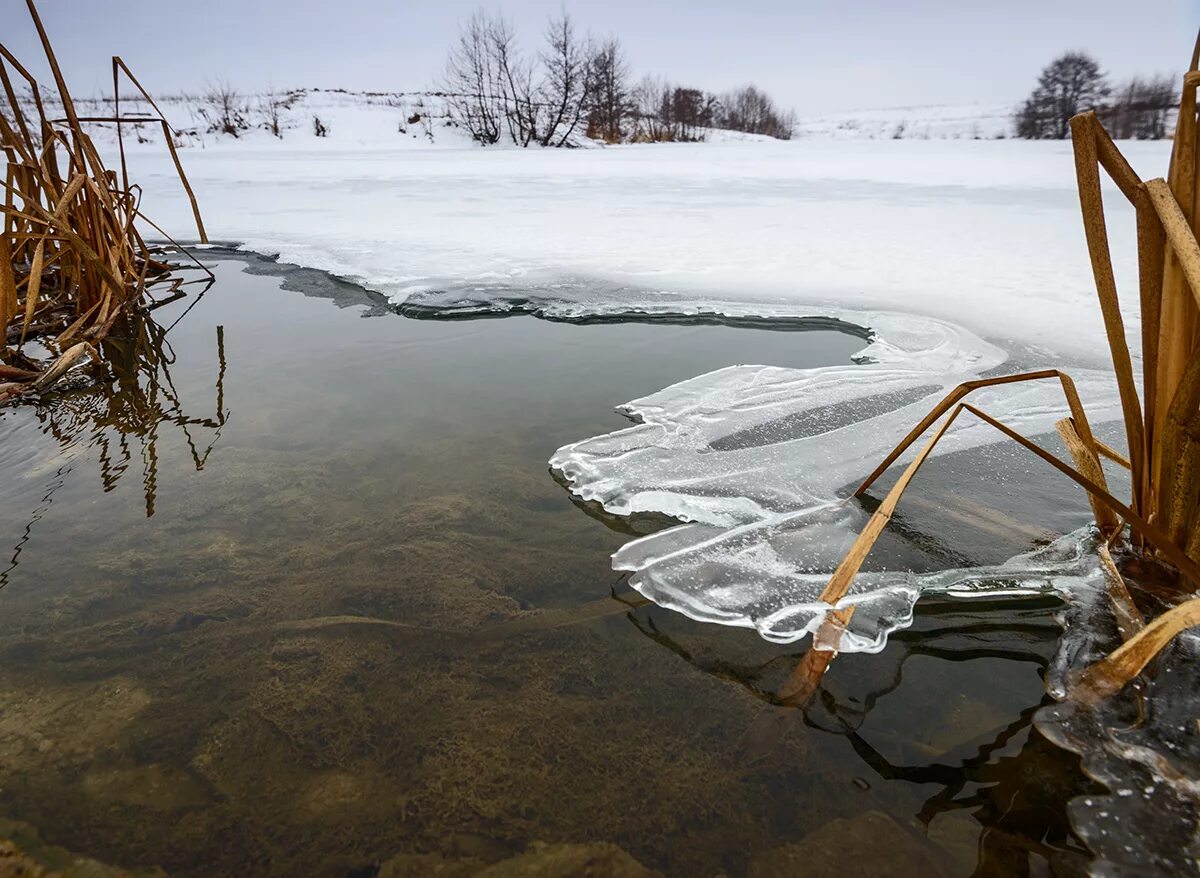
[[665, 112], [515, 75], [610, 98], [488, 85], [224, 109], [1070, 84], [490, 90], [1141, 108], [472, 81], [751, 110], [650, 97], [567, 84]]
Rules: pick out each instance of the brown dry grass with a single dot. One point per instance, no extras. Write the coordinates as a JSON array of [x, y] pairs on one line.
[[1162, 424], [73, 261]]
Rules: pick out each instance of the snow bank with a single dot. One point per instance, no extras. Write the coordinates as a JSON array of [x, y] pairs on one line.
[[382, 119], [359, 120], [982, 234]]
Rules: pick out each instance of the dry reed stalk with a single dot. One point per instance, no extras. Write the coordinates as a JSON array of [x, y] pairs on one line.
[[1162, 427], [72, 261]]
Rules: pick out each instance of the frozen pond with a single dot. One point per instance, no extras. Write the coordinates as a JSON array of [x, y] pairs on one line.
[[305, 599]]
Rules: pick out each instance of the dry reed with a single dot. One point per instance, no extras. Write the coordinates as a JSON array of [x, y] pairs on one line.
[[1162, 426], [72, 259]]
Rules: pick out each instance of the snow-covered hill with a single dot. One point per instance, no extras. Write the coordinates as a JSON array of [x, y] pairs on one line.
[[422, 120], [344, 119], [301, 118]]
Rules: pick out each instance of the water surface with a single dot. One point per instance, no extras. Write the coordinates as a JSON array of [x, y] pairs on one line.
[[296, 594]]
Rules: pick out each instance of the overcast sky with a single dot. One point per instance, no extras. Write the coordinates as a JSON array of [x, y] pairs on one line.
[[811, 56]]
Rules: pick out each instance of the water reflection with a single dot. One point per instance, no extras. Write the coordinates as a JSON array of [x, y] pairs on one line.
[[123, 418], [1009, 780], [438, 672]]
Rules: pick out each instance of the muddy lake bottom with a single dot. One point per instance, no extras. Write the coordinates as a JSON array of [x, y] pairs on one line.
[[304, 599]]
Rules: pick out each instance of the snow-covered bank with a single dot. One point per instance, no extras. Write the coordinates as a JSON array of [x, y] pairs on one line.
[[224, 117], [399, 119], [985, 234]]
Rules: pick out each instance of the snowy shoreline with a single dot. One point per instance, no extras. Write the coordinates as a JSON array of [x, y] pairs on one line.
[[983, 234]]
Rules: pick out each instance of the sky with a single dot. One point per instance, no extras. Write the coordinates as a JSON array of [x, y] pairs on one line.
[[814, 57]]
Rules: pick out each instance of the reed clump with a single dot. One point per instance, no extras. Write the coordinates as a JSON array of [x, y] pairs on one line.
[[1161, 520], [73, 262]]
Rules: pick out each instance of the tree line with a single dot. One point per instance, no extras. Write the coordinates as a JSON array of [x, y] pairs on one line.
[[578, 86], [1140, 107]]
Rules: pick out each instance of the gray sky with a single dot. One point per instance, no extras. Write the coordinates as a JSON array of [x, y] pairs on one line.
[[811, 56]]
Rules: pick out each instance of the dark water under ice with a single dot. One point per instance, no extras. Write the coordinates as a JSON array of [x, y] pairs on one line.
[[301, 597]]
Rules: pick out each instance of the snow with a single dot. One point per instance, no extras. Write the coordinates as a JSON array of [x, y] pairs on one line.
[[381, 119], [985, 234], [921, 122], [360, 120]]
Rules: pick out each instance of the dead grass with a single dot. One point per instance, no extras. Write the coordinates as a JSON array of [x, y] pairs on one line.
[[1161, 521], [73, 261]]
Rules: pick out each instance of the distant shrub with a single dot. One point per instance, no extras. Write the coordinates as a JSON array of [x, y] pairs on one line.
[[224, 109]]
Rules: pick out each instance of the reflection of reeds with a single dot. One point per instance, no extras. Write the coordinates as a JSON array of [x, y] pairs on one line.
[[1162, 426], [989, 777], [142, 398], [125, 419], [72, 260]]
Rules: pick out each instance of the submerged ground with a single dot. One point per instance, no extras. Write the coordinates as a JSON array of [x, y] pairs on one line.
[[316, 606]]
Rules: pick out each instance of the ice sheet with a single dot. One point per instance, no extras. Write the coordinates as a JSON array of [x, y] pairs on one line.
[[1141, 743], [756, 459]]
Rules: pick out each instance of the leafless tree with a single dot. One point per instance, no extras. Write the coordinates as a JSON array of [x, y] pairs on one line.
[[650, 97], [488, 85], [751, 110], [1070, 84], [490, 90], [690, 111], [610, 104], [567, 80], [665, 112], [1141, 108], [515, 74], [472, 81]]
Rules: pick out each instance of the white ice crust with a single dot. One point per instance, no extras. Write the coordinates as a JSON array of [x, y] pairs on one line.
[[756, 459]]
